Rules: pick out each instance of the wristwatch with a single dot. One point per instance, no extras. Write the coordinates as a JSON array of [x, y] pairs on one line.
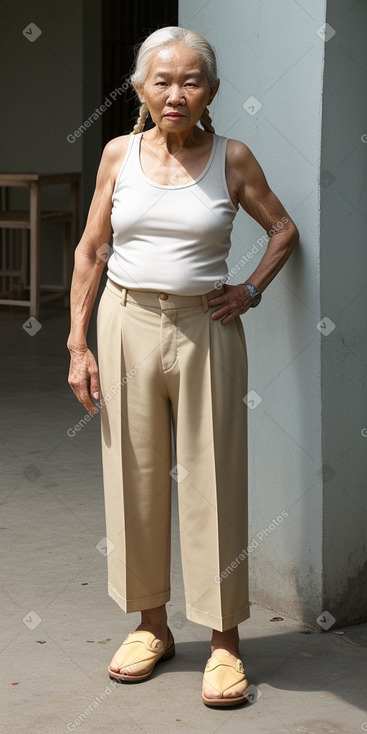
[[254, 293]]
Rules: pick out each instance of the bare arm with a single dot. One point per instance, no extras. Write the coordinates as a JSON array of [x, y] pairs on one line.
[[249, 188], [88, 267]]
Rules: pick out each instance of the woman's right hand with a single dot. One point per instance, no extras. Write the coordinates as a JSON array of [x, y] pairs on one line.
[[83, 377]]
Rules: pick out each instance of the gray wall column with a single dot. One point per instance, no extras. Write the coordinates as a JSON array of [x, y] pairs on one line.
[[343, 267]]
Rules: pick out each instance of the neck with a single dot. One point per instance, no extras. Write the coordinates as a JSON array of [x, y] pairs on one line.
[[174, 142]]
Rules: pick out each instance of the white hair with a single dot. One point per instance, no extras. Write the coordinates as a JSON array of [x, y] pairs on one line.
[[154, 43]]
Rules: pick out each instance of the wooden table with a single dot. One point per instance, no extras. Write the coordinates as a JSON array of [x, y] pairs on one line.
[[33, 220]]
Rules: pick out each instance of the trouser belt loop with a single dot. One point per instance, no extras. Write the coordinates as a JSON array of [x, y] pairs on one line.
[[204, 301], [123, 296]]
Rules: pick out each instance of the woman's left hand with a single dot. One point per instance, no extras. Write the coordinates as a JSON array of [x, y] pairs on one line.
[[235, 300]]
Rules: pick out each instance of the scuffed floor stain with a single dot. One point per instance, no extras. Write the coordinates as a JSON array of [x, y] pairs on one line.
[[319, 726]]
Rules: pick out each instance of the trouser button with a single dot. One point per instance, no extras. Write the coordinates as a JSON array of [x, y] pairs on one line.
[[163, 296]]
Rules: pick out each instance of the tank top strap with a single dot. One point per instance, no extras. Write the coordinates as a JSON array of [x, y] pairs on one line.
[[214, 183], [216, 168], [130, 161]]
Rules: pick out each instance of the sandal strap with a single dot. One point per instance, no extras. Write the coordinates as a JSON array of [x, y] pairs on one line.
[[146, 638], [138, 649], [229, 661], [224, 671]]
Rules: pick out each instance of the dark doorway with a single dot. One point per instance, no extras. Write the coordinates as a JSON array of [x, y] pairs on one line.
[[126, 24]]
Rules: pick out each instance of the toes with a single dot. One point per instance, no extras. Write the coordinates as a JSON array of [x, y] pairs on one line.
[[235, 692], [122, 670], [115, 668], [210, 692], [118, 668]]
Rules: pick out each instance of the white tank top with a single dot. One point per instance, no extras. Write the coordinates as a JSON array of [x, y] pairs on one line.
[[171, 238]]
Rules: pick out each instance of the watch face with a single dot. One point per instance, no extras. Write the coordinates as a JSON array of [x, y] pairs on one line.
[[254, 293]]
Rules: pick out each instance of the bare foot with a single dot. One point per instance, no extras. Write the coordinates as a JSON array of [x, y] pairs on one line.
[[160, 631], [226, 644], [136, 660], [154, 621]]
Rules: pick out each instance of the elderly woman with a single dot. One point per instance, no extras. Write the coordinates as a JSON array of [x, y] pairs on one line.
[[172, 352]]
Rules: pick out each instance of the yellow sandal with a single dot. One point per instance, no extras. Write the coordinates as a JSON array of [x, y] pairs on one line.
[[139, 654], [224, 673]]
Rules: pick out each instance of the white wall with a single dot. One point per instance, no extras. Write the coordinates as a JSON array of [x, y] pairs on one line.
[[271, 50]]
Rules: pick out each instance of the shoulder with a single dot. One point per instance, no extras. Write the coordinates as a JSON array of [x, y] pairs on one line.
[[115, 148], [112, 157], [244, 174], [242, 167], [239, 156]]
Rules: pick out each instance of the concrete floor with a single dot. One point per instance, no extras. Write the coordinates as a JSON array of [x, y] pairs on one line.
[[60, 629]]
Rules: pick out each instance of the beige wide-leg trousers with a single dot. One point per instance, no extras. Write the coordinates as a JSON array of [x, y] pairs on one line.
[[164, 361]]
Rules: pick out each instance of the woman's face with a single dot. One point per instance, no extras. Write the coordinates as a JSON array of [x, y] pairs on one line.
[[177, 89]]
